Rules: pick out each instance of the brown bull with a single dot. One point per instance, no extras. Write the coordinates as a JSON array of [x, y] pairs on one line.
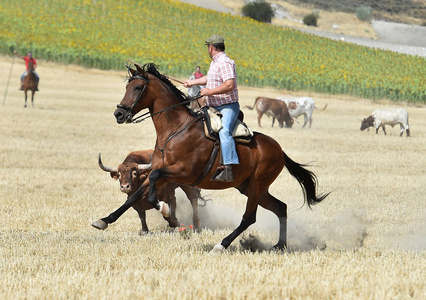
[[273, 108], [132, 172]]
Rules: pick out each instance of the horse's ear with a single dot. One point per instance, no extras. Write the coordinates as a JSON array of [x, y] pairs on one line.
[[131, 71], [140, 70]]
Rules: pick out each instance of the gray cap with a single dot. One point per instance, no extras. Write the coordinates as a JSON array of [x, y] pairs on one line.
[[215, 39]]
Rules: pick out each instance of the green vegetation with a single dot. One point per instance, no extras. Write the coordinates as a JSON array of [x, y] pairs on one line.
[[363, 13], [310, 20], [103, 34], [258, 10]]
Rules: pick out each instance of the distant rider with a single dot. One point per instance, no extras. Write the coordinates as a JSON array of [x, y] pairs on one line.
[[29, 58]]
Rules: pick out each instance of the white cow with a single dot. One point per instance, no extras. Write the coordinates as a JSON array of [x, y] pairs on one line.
[[381, 117], [301, 106]]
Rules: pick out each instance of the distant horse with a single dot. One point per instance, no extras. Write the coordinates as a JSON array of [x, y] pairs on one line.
[[30, 84], [183, 154]]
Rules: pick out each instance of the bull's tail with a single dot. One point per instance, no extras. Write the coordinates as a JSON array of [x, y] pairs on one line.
[[251, 108], [321, 108], [307, 180]]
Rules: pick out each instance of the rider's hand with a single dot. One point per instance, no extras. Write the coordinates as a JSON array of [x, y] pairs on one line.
[[205, 92], [187, 83]]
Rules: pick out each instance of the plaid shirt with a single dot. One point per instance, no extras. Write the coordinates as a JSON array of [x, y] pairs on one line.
[[221, 69]]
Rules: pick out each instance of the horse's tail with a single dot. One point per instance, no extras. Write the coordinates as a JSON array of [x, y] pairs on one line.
[[321, 108], [307, 180], [251, 108]]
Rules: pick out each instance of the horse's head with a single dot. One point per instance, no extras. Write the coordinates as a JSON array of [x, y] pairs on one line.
[[145, 85], [131, 104], [30, 66]]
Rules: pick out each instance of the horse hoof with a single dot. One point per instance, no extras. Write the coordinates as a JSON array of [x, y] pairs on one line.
[[99, 224], [218, 249], [164, 209]]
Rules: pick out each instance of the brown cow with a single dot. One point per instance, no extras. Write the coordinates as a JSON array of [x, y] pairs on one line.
[[132, 172], [273, 108]]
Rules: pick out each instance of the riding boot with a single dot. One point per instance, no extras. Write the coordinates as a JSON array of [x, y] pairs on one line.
[[223, 173], [22, 86]]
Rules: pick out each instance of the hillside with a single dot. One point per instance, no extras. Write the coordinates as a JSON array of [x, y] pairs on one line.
[[339, 16], [103, 35], [402, 11]]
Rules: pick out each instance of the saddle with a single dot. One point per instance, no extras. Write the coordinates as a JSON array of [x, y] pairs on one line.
[[213, 123]]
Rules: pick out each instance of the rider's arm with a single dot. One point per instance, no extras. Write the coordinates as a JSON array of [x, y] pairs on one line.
[[200, 81], [16, 53], [224, 88]]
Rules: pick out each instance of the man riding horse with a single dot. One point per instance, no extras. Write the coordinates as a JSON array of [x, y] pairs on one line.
[[222, 94], [28, 59]]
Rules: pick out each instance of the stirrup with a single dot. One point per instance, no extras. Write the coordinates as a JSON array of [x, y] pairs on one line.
[[223, 173]]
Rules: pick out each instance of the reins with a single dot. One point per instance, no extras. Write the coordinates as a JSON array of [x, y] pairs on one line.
[[147, 115], [144, 117]]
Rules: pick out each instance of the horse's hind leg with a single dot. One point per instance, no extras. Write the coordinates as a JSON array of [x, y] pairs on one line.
[[249, 218], [279, 208], [25, 104], [32, 99]]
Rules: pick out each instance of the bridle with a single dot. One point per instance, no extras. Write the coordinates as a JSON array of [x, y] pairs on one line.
[[130, 109]]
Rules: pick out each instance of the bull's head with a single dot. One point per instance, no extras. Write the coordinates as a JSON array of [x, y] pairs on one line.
[[289, 123], [130, 175], [367, 122]]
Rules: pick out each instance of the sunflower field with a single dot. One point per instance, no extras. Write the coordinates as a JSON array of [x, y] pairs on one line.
[[104, 33]]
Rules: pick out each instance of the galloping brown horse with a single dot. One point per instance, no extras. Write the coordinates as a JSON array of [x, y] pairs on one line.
[[30, 84], [182, 153]]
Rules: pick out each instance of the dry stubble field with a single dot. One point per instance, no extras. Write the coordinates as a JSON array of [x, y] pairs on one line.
[[365, 241]]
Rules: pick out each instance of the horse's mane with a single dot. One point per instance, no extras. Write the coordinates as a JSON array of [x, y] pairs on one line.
[[151, 68]]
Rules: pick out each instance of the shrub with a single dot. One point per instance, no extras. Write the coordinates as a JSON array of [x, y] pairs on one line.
[[259, 10], [363, 13], [310, 20]]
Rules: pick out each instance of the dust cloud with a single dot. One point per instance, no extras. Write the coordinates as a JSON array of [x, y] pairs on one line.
[[345, 231]]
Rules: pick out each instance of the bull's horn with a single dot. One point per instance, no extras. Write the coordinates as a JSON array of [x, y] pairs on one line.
[[106, 169], [146, 166]]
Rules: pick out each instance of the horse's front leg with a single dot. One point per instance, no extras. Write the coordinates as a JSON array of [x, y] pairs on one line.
[[161, 206], [102, 224], [25, 104]]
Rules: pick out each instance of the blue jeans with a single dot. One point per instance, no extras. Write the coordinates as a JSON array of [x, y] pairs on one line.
[[26, 73], [227, 144]]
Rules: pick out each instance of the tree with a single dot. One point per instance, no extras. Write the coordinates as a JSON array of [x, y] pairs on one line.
[[259, 10]]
